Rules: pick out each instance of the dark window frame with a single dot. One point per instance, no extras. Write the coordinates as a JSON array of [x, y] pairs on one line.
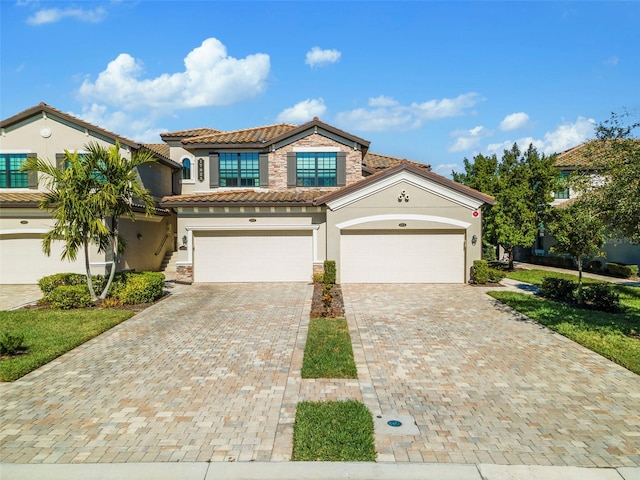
[[316, 169], [186, 169], [239, 169], [13, 177]]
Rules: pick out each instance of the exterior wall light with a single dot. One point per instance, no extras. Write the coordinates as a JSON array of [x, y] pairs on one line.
[[474, 240], [139, 235], [184, 240]]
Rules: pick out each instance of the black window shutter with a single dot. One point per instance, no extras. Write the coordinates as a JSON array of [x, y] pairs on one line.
[[32, 176], [291, 169], [214, 171], [264, 170], [341, 174]]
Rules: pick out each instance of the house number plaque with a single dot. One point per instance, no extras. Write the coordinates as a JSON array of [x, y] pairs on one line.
[[201, 170]]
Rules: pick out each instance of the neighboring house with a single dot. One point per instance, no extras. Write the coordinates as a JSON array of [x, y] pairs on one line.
[[44, 132], [569, 161], [272, 203], [260, 204]]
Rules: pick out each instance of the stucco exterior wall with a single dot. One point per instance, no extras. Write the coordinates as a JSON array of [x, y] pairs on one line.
[[147, 252]]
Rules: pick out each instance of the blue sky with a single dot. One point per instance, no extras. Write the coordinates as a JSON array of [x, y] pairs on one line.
[[434, 82]]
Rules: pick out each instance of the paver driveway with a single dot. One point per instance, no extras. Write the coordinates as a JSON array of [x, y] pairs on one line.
[[483, 385], [200, 376]]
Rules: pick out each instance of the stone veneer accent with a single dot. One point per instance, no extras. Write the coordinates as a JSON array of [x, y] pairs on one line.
[[278, 160], [184, 274]]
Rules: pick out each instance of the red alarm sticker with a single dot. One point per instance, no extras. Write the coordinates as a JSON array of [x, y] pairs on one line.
[[475, 213]]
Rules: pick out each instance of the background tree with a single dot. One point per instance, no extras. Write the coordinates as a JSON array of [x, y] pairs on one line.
[[614, 161], [120, 192], [522, 184], [578, 232], [72, 198]]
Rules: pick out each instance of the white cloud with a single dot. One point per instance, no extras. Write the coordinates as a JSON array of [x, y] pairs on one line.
[[514, 121], [468, 139], [138, 128], [385, 113], [612, 62], [53, 15], [316, 57], [446, 167], [211, 78], [565, 136], [303, 111]]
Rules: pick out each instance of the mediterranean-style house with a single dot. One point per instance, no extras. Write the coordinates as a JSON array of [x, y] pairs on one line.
[[262, 204], [581, 158]]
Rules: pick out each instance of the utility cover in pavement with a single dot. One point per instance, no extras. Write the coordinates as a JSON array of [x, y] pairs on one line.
[[388, 424]]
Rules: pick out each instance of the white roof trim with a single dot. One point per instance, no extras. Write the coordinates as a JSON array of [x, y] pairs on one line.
[[196, 228], [413, 179], [403, 217]]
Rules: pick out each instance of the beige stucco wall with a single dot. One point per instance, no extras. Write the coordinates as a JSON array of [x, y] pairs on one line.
[[146, 253], [26, 137], [421, 202]]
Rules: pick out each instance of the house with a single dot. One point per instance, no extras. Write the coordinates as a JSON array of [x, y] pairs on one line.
[[569, 161], [46, 132], [268, 204], [272, 203]]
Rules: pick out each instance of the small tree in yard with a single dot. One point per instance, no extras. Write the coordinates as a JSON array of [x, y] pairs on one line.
[[72, 197], [87, 197], [119, 191], [578, 232]]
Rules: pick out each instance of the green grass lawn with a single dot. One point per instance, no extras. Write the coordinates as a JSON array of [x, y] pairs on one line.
[[333, 432], [328, 352], [604, 333], [535, 277], [50, 333]]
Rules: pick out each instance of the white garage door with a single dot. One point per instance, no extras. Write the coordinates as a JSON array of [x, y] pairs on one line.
[[23, 262], [409, 257], [272, 256]]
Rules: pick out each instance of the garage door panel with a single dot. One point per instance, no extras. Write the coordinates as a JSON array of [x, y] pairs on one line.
[[22, 260], [402, 258], [253, 257]]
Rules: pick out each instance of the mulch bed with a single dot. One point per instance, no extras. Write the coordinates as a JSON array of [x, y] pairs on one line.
[[335, 310]]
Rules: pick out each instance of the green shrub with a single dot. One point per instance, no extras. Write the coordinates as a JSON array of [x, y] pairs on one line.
[[558, 289], [10, 344], [480, 272], [594, 266], [70, 296], [496, 275], [329, 276], [49, 283], [317, 277], [145, 287], [601, 296], [619, 270], [561, 262], [489, 253]]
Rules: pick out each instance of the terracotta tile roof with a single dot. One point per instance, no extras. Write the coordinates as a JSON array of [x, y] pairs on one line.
[[245, 197], [22, 199], [159, 148], [257, 135], [193, 132], [377, 162], [421, 171], [586, 154]]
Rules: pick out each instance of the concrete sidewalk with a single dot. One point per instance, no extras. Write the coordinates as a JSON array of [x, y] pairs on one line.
[[308, 471]]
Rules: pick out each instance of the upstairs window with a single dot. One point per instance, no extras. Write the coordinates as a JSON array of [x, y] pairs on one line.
[[563, 193], [319, 169], [10, 174], [239, 170], [186, 169]]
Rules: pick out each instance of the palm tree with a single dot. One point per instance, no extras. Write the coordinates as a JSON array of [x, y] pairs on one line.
[[120, 192], [71, 197]]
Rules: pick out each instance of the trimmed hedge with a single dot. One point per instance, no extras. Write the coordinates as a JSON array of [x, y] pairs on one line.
[[561, 262], [482, 273], [70, 296], [619, 270], [70, 290], [596, 296], [329, 277]]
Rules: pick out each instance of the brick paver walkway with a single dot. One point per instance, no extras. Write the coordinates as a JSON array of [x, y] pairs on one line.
[[485, 386], [200, 376]]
